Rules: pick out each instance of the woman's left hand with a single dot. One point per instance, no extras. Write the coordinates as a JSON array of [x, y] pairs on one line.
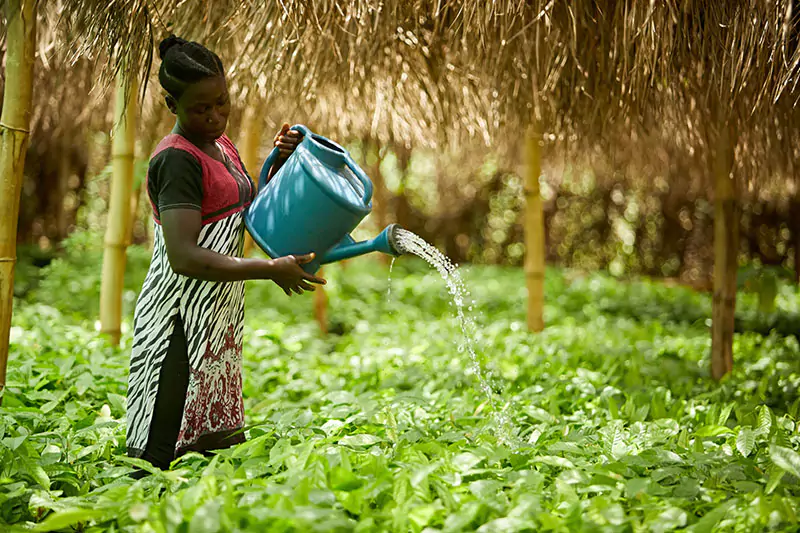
[[287, 140]]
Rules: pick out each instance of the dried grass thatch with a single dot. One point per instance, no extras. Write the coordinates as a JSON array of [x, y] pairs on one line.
[[426, 72]]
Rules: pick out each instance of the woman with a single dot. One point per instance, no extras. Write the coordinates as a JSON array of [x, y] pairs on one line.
[[185, 383]]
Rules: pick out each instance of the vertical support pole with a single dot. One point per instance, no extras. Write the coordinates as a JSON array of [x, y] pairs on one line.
[[14, 138], [321, 306], [119, 209], [726, 247], [534, 230], [252, 134]]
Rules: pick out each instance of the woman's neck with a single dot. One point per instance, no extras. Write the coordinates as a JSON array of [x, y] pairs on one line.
[[209, 147]]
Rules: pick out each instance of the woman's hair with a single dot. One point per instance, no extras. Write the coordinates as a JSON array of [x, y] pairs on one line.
[[185, 62]]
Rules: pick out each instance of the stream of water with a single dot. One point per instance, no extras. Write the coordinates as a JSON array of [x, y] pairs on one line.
[[412, 243]]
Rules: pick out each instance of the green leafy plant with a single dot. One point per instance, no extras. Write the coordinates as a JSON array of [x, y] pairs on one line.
[[614, 425]]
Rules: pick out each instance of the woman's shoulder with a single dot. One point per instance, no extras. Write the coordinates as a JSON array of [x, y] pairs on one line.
[[174, 153], [175, 146]]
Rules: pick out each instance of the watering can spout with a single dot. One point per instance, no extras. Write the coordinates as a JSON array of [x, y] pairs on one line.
[[385, 242]]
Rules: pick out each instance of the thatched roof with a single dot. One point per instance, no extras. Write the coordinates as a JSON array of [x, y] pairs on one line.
[[423, 72]]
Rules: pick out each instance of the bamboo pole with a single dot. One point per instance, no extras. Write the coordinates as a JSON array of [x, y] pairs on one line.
[[252, 134], [14, 137], [136, 197], [534, 231], [321, 306], [380, 197], [726, 243], [119, 219]]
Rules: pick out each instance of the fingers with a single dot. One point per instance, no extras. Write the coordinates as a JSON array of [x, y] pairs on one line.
[[286, 144], [305, 286], [314, 279], [303, 259], [284, 131]]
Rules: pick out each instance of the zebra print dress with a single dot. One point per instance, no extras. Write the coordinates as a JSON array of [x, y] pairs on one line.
[[212, 312]]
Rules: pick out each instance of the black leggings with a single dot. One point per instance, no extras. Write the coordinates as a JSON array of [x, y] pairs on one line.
[[170, 399]]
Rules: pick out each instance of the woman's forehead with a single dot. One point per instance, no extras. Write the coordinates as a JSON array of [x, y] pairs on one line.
[[206, 90]]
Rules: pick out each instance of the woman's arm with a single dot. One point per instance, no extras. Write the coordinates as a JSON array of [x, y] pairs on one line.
[[181, 230]]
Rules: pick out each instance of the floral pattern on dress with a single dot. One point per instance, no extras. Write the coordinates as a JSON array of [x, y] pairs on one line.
[[214, 397]]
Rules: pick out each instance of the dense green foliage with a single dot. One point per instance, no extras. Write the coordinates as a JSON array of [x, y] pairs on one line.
[[380, 426]]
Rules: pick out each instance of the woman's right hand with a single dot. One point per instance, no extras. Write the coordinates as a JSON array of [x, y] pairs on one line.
[[287, 273]]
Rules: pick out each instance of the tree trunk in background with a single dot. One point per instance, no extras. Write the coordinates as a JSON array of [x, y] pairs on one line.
[[252, 134], [119, 219], [726, 241], [14, 137], [534, 231]]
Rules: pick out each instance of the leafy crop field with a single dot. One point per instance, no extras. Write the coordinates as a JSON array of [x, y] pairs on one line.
[[381, 427]]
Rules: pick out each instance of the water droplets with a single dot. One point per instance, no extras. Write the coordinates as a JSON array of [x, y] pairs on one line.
[[389, 290], [412, 243]]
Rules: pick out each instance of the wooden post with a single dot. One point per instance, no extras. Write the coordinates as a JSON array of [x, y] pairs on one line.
[[252, 133], [726, 247], [534, 230], [14, 138], [119, 219]]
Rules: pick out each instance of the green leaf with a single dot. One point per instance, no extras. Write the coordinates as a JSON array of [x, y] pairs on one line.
[[712, 518], [66, 518], [785, 458], [539, 414], [118, 403], [714, 431], [775, 476], [745, 441], [553, 460], [725, 414], [363, 439], [670, 519], [206, 518], [613, 408], [764, 421], [36, 471]]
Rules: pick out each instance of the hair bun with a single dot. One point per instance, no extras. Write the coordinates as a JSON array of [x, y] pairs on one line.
[[169, 42]]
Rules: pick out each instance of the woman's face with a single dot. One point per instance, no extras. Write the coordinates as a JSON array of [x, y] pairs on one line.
[[203, 109]]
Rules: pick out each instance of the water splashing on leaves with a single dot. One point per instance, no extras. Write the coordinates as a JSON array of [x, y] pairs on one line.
[[412, 243]]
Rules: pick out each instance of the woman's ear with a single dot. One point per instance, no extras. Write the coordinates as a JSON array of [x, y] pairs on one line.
[[172, 104]]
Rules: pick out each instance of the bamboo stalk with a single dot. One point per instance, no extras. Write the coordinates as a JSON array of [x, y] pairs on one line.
[[380, 197], [321, 306], [119, 219], [534, 231], [136, 196], [252, 134], [726, 242], [14, 137]]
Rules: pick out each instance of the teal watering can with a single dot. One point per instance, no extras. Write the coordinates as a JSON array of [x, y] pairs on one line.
[[312, 204]]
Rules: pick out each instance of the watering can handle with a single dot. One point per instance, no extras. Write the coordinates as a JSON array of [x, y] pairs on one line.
[[362, 178], [365, 181], [302, 129]]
